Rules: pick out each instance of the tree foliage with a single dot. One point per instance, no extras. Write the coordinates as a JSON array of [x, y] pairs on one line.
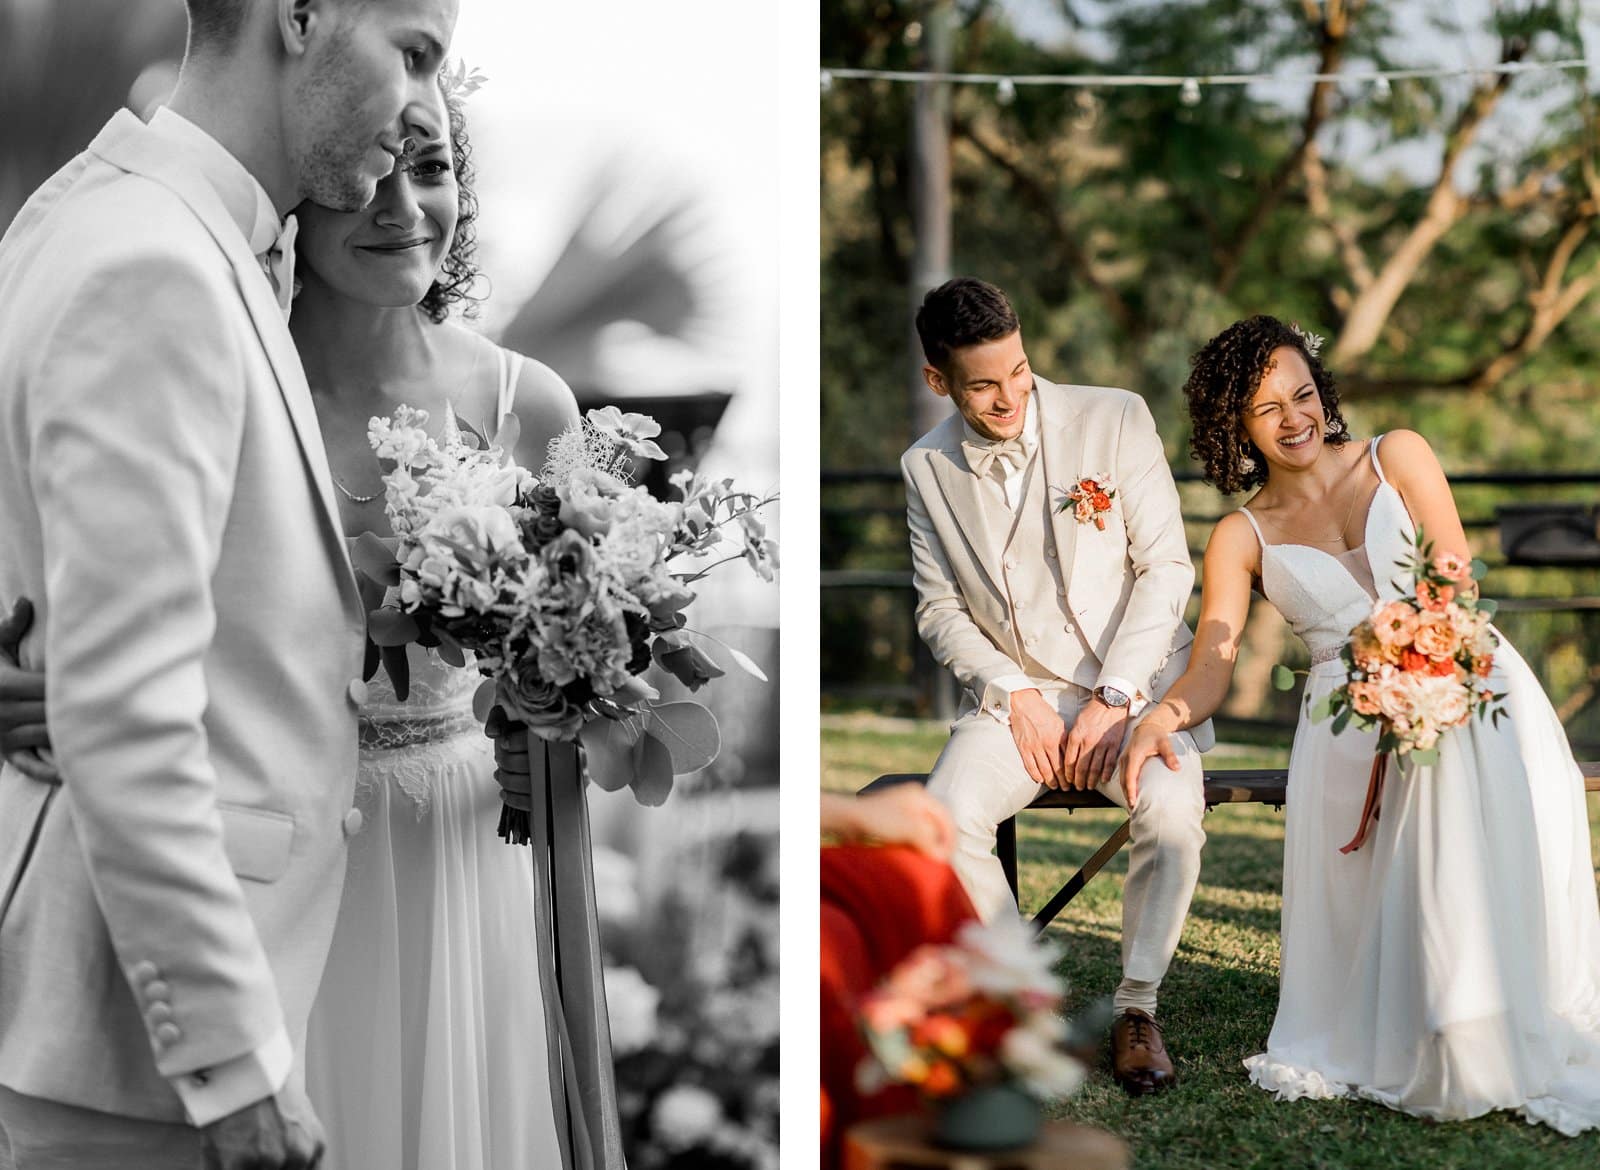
[[1441, 234]]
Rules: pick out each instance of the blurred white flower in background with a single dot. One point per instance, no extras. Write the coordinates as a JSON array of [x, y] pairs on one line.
[[632, 1005], [685, 1116]]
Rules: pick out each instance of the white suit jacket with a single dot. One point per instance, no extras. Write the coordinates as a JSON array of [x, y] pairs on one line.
[[1127, 586], [165, 500]]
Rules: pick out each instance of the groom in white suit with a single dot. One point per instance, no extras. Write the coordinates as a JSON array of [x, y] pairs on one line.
[[165, 910], [1062, 622]]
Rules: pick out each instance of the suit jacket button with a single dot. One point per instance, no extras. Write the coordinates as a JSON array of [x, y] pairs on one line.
[[357, 691], [144, 971], [1020, 605], [1067, 628], [1050, 550], [158, 1014], [1011, 562], [1005, 624], [353, 822], [157, 991], [168, 1034]]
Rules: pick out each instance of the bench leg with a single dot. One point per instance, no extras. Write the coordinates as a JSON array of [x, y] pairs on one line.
[[1078, 880], [1005, 847]]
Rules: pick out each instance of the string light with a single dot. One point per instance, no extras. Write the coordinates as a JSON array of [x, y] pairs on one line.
[[827, 81], [1189, 87], [1006, 92]]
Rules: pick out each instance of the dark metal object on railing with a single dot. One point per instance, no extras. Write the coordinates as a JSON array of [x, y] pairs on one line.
[[1550, 534]]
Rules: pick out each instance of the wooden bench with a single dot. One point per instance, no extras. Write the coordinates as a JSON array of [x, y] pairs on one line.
[[1242, 786]]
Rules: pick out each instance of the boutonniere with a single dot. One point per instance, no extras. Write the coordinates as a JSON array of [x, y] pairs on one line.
[[1089, 500]]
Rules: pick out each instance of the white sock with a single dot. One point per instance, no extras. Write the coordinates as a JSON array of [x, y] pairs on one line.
[[1136, 993]]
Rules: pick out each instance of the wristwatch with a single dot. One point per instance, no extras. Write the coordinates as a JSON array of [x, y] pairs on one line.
[[1111, 697]]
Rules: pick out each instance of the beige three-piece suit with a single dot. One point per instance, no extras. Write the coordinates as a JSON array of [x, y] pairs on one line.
[[1013, 591]]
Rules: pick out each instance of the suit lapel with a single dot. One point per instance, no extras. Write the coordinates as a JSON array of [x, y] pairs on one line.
[[127, 143], [1061, 450], [962, 490]]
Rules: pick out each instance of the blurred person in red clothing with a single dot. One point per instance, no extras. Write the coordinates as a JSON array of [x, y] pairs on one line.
[[887, 888]]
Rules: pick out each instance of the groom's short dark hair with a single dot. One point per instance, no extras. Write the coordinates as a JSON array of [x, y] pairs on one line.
[[962, 312]]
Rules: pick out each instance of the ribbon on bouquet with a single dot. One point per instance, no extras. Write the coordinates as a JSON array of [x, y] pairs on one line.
[[1369, 810], [577, 1025]]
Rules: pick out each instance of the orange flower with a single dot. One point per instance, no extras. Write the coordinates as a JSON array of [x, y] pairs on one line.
[[1413, 663], [942, 1080], [1100, 500], [1434, 598]]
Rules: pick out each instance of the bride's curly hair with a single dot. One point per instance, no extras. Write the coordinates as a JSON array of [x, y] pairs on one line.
[[1226, 375], [454, 283]]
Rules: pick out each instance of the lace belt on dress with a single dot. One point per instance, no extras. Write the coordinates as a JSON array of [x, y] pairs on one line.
[[1327, 654], [385, 733]]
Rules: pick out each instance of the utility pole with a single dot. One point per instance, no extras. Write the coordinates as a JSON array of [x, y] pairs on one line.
[[930, 267], [930, 200]]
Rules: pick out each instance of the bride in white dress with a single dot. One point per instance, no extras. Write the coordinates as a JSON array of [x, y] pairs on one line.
[[1450, 966]]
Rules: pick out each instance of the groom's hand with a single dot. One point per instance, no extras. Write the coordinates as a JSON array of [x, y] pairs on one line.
[[1090, 753], [23, 734], [1037, 728], [276, 1133]]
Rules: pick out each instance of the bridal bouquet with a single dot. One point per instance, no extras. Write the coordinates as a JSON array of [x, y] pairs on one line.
[[564, 585], [976, 1013], [1419, 665]]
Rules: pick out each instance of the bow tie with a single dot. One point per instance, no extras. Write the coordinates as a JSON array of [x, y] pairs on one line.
[[1013, 454], [278, 263]]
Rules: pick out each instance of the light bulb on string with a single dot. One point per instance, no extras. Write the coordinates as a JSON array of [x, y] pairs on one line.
[[827, 81], [1088, 109], [1190, 94], [1381, 89], [1006, 92]]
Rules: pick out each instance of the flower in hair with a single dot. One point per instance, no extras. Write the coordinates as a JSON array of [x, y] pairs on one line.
[[458, 82], [1312, 341]]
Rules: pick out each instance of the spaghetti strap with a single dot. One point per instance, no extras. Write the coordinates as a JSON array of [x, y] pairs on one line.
[[510, 372], [1372, 450], [1254, 525]]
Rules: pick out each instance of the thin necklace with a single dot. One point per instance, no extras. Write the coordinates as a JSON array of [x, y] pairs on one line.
[[1349, 512], [355, 499]]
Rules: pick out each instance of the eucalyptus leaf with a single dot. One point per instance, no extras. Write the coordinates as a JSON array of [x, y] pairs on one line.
[[1488, 605], [450, 651], [399, 668], [391, 627], [374, 556], [369, 663], [610, 756], [652, 772], [689, 731], [483, 700], [1341, 721], [1282, 678], [1322, 708], [1425, 757], [1479, 569]]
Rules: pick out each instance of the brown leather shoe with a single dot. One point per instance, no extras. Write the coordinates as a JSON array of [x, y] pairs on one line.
[[1139, 1059]]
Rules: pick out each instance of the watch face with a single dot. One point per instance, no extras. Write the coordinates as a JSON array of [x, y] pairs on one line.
[[1112, 697]]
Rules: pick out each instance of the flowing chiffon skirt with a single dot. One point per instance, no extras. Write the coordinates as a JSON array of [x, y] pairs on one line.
[[1451, 965]]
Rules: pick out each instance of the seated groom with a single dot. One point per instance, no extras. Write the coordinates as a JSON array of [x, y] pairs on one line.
[[1052, 572]]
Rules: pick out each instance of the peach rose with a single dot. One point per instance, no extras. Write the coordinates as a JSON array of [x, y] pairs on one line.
[[1454, 566], [1436, 636], [1396, 697], [1394, 624], [1364, 698]]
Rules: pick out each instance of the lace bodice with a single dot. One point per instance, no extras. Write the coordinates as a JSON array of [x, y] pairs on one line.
[[412, 743], [1316, 592]]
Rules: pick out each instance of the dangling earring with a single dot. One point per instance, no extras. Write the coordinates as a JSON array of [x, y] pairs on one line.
[[1246, 463]]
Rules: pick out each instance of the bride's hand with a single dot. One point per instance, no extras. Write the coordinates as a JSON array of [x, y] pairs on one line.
[[23, 734], [1150, 739]]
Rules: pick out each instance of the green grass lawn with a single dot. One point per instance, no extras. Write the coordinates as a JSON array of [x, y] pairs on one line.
[[1218, 999]]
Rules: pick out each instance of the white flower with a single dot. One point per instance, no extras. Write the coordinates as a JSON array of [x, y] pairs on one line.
[[616, 886], [685, 1116], [631, 1004], [632, 432], [1033, 1054], [1006, 957]]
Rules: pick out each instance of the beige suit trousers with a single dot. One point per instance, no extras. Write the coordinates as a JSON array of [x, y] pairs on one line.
[[981, 779]]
